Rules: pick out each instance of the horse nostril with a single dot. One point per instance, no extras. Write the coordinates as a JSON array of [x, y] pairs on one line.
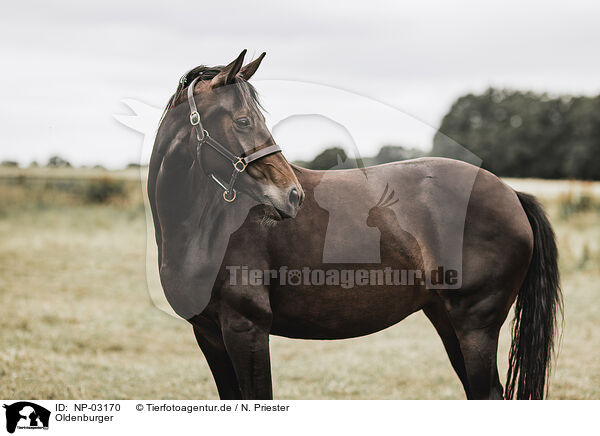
[[294, 197]]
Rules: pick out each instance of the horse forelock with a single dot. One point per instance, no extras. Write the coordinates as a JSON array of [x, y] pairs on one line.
[[246, 92]]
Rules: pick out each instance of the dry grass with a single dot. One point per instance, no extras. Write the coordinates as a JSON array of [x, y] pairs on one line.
[[76, 320]]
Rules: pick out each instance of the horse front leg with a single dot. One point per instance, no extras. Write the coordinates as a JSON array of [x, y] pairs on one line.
[[246, 338], [210, 340]]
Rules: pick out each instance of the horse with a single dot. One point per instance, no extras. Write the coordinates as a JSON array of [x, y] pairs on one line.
[[224, 199]]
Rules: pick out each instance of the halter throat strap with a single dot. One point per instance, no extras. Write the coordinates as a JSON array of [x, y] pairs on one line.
[[239, 162]]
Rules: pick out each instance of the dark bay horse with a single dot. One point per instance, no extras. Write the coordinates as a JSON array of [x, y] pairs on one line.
[[225, 200]]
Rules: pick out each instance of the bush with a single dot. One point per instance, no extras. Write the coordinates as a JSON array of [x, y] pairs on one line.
[[104, 190], [574, 204]]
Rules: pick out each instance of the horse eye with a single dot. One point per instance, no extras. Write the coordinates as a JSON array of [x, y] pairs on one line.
[[243, 122]]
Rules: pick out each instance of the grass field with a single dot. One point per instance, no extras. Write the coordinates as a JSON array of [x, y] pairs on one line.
[[76, 320]]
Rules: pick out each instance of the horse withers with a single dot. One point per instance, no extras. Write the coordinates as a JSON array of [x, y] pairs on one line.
[[225, 201]]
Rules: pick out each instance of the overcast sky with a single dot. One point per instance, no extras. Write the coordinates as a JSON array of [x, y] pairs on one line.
[[67, 65]]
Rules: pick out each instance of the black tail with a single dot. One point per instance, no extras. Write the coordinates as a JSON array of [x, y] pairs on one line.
[[536, 311]]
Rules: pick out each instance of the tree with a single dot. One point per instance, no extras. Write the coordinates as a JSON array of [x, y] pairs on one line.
[[393, 153], [58, 162], [524, 134], [328, 159]]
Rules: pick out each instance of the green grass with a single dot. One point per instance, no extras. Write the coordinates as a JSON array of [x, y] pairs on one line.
[[76, 320]]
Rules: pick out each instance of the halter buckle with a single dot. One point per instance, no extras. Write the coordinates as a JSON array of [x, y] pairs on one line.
[[195, 118], [240, 165], [229, 200]]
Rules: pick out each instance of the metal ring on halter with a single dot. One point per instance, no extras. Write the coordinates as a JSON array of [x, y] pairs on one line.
[[195, 118], [229, 200], [204, 135], [240, 161]]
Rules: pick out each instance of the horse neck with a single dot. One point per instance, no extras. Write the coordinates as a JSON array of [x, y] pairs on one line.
[[188, 206], [179, 185]]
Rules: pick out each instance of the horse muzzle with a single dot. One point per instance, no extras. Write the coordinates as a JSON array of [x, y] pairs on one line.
[[285, 202]]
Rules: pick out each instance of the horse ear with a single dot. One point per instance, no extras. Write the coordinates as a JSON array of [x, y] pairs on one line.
[[249, 70], [227, 75]]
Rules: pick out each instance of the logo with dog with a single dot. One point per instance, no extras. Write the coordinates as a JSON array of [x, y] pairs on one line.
[[26, 415]]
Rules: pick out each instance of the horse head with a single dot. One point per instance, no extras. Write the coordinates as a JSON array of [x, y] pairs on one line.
[[231, 115]]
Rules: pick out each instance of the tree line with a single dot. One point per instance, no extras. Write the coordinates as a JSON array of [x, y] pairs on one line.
[[515, 133]]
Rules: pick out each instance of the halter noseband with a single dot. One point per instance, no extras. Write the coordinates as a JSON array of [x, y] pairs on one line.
[[239, 162]]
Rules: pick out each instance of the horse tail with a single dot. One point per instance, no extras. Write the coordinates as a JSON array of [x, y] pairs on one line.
[[536, 311]]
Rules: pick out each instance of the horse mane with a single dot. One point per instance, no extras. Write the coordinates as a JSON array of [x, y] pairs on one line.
[[246, 91]]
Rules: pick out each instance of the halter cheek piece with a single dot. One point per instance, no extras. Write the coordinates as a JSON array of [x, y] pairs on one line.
[[239, 162]]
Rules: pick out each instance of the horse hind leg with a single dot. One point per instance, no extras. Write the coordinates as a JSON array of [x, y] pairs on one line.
[[210, 341], [478, 341], [439, 318], [479, 349]]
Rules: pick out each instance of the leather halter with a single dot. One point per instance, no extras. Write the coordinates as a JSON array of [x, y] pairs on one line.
[[239, 162]]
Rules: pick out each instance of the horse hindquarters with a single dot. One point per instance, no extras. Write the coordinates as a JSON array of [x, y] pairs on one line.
[[497, 247], [477, 315]]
